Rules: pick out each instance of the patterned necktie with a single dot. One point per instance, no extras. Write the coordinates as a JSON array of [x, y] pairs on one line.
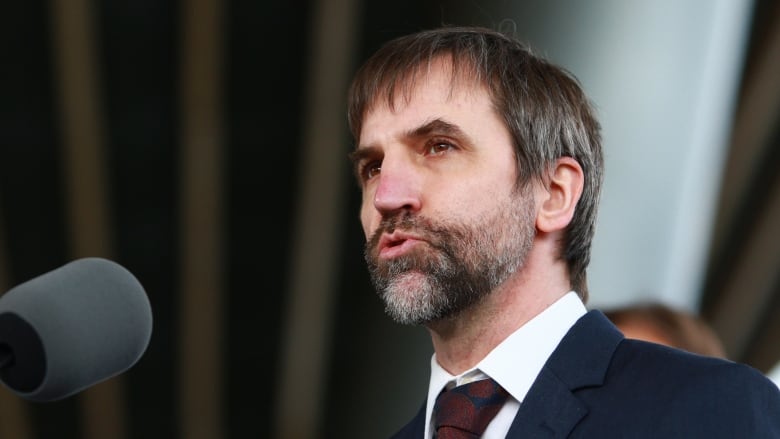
[[465, 411]]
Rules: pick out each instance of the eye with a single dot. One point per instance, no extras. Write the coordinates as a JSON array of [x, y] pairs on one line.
[[438, 147], [366, 163], [370, 169]]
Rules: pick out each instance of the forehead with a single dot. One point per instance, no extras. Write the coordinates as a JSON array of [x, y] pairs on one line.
[[431, 91], [442, 71]]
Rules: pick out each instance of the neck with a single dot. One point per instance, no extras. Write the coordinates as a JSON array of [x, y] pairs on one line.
[[461, 342]]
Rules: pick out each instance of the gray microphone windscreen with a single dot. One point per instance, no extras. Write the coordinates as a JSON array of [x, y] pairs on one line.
[[71, 328]]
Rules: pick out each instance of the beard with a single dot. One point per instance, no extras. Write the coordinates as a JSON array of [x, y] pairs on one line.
[[458, 265]]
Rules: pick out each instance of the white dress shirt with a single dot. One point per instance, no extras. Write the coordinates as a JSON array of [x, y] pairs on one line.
[[513, 364]]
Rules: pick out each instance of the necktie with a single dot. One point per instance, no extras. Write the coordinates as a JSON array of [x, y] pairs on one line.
[[465, 411]]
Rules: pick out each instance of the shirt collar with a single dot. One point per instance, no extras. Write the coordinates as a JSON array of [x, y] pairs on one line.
[[517, 360]]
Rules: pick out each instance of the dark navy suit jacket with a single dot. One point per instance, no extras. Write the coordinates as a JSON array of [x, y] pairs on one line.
[[598, 384]]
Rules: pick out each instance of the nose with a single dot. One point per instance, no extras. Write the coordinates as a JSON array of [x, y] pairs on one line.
[[398, 188]]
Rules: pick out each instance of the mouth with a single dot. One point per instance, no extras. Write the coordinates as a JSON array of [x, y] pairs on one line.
[[396, 244]]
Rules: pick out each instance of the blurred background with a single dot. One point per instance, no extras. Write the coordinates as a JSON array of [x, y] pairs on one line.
[[202, 145]]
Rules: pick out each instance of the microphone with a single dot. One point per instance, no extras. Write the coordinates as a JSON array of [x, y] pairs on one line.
[[71, 328]]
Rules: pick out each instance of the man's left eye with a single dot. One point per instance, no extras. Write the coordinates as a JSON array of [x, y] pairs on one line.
[[438, 148]]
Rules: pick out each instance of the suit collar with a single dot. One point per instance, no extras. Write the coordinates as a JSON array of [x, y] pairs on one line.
[[551, 408]]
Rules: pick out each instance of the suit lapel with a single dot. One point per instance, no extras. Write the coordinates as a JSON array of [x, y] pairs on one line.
[[551, 408], [415, 429]]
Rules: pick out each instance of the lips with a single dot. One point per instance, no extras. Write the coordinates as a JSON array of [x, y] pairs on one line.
[[396, 244]]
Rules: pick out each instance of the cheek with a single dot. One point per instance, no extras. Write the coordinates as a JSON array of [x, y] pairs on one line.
[[366, 217], [479, 197]]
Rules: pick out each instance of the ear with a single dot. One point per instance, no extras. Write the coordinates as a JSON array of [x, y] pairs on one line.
[[560, 196]]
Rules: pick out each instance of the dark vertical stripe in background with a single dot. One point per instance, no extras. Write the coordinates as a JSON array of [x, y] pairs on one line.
[[31, 187], [139, 59], [265, 60]]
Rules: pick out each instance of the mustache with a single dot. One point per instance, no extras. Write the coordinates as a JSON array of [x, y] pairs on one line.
[[404, 221]]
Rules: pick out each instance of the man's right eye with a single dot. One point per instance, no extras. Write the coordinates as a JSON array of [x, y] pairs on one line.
[[370, 170]]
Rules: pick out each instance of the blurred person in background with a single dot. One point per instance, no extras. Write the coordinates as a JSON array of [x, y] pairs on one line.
[[661, 323]]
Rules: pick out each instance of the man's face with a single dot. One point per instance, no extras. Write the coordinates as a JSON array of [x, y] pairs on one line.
[[444, 222]]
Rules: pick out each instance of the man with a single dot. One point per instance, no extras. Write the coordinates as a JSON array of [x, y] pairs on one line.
[[480, 167]]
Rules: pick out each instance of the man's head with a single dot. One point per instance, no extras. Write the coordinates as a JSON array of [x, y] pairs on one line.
[[416, 106]]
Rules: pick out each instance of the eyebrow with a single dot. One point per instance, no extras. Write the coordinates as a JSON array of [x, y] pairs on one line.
[[357, 155], [432, 127], [435, 126]]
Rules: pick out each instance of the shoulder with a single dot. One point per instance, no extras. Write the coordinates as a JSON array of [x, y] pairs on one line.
[[687, 392], [668, 362], [714, 382]]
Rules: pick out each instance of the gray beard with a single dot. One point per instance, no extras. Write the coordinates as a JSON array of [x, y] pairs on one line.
[[458, 265]]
